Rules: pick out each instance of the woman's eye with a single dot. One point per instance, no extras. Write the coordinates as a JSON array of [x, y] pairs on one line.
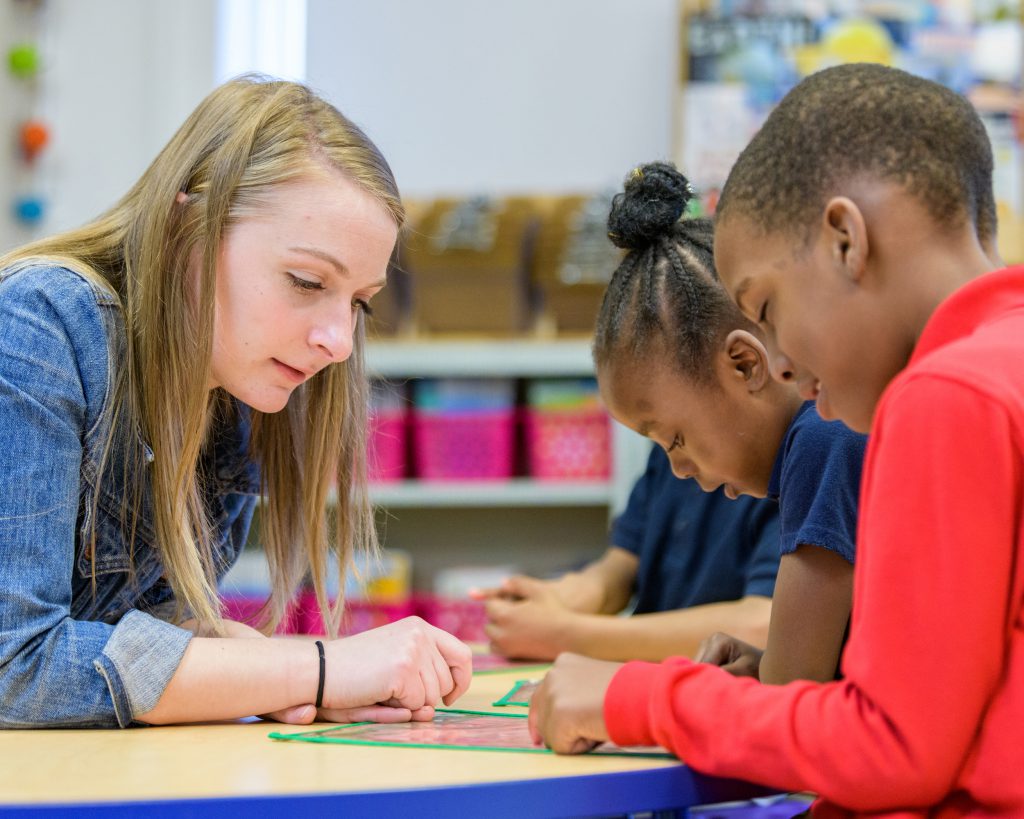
[[361, 304], [306, 285]]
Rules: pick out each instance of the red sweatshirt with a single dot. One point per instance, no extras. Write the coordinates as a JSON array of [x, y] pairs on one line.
[[929, 718]]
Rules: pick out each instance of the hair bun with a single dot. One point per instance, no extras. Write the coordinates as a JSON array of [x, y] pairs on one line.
[[654, 198]]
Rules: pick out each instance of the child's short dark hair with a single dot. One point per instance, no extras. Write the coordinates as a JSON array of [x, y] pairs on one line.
[[865, 118], [665, 294]]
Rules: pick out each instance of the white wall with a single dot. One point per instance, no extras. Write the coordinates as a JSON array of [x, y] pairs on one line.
[[503, 97], [120, 76]]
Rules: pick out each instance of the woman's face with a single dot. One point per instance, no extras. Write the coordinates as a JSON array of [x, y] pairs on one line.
[[290, 283]]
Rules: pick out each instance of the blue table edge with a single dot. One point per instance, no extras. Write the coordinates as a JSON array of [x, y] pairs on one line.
[[659, 789]]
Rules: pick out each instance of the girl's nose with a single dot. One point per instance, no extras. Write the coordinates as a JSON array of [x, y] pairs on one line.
[[683, 467]]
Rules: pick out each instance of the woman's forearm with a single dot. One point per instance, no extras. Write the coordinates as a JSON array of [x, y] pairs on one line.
[[225, 678]]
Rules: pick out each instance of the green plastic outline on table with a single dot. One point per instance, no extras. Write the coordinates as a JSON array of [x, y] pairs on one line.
[[318, 737], [506, 698]]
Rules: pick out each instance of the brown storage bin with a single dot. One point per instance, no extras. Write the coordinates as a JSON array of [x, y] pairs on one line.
[[468, 262], [574, 260], [392, 305]]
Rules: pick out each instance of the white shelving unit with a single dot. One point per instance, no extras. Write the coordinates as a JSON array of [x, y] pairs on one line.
[[516, 492], [500, 358], [503, 358], [535, 525]]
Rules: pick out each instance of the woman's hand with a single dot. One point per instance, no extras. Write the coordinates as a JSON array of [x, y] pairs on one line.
[[395, 673], [567, 709], [738, 658]]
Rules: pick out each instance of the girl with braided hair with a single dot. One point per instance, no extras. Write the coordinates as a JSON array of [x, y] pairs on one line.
[[680, 364]]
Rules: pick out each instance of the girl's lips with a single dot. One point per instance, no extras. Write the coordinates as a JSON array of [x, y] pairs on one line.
[[823, 407]]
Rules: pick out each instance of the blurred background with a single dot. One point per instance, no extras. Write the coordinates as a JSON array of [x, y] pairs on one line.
[[508, 126]]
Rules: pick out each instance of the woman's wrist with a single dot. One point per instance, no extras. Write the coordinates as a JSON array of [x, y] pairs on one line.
[[321, 674], [303, 664]]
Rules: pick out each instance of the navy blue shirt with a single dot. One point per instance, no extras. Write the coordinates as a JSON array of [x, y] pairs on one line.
[[695, 547], [816, 480]]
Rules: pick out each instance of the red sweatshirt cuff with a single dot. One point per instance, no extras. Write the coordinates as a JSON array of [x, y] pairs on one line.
[[626, 712]]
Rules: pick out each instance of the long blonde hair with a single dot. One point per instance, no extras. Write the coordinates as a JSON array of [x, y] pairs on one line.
[[247, 137]]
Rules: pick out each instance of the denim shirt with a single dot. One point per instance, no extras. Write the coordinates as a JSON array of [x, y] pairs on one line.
[[74, 651]]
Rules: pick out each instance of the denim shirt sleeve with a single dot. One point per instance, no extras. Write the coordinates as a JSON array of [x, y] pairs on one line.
[[55, 670]]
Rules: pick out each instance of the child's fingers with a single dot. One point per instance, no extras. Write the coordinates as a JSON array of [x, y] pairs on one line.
[[716, 649], [497, 608], [522, 586], [484, 594]]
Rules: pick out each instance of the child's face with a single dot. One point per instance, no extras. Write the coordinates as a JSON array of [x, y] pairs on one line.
[[289, 284], [720, 435], [821, 330]]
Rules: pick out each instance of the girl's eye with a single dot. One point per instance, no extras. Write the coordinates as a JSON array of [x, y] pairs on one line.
[[305, 285], [676, 443], [360, 304]]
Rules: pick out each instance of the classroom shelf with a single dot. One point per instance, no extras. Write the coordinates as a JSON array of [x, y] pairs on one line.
[[519, 357], [461, 358], [522, 492]]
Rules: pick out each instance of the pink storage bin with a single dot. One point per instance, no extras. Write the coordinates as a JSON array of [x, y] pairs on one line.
[[245, 608], [360, 615], [568, 444], [385, 455], [464, 445], [461, 616]]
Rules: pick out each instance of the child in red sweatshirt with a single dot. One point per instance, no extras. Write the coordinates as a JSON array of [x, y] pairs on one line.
[[856, 229]]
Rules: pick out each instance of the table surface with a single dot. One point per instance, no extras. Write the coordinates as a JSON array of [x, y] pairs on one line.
[[219, 769]]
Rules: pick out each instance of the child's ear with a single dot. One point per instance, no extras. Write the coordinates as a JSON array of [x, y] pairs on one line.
[[846, 236], [747, 360]]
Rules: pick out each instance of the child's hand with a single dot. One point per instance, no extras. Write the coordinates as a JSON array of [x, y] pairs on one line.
[[515, 587], [533, 628], [738, 658], [567, 709], [395, 673]]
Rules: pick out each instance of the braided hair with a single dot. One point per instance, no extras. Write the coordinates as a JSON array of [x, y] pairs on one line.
[[665, 294]]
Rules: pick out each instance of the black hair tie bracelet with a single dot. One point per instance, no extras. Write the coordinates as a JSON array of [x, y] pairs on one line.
[[323, 674]]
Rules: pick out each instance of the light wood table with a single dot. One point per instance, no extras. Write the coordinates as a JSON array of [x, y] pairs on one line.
[[233, 769]]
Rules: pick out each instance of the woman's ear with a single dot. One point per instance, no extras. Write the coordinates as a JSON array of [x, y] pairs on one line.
[[746, 360], [846, 237]]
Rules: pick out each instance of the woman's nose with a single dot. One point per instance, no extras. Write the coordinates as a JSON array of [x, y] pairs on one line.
[[333, 336]]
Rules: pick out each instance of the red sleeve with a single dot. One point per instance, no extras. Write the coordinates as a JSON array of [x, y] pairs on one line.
[[936, 540]]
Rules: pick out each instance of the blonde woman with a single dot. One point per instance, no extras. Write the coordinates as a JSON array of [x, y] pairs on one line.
[[161, 368]]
